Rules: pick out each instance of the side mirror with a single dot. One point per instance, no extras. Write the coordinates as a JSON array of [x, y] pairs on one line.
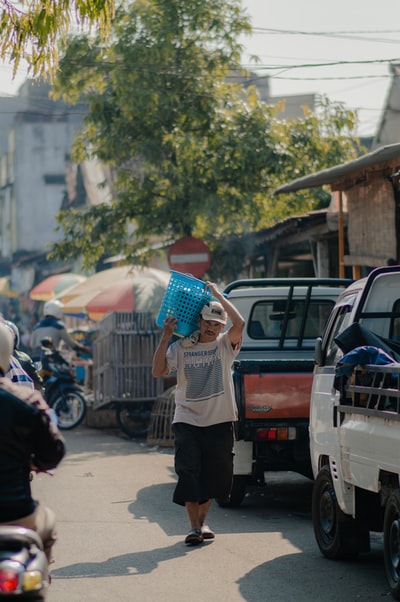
[[318, 352]]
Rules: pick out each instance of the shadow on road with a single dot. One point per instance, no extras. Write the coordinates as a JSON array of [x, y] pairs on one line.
[[137, 563], [305, 575], [308, 576], [284, 494]]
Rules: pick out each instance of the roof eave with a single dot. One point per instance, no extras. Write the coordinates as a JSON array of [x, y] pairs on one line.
[[333, 174]]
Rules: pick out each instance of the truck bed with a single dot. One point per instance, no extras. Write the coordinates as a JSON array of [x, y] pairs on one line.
[[369, 411]]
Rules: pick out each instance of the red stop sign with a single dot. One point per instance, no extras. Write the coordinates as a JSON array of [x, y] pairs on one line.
[[190, 255]]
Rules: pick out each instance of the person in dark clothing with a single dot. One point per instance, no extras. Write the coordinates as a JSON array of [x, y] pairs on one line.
[[29, 441], [52, 325]]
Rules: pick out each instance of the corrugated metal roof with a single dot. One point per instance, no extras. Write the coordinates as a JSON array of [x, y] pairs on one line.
[[328, 176], [292, 224]]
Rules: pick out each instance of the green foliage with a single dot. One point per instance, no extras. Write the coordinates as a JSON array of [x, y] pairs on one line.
[[31, 30], [229, 255], [315, 142], [189, 152]]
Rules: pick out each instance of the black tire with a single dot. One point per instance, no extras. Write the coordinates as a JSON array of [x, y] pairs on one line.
[[391, 543], [238, 492], [335, 532], [70, 411], [133, 419]]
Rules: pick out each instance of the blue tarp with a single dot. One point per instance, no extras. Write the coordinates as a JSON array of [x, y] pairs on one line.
[[361, 356]]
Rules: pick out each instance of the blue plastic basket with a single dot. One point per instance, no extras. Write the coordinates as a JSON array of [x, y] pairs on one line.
[[184, 299]]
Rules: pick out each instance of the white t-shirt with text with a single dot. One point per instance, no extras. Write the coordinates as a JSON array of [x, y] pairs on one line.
[[204, 393]]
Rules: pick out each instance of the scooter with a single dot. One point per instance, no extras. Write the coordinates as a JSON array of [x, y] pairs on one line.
[[23, 565], [60, 389], [63, 395]]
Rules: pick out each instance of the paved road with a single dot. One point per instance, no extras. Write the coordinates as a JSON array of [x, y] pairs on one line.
[[121, 537]]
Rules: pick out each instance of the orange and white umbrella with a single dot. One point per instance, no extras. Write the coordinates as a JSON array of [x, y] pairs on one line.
[[116, 289], [51, 286], [139, 294]]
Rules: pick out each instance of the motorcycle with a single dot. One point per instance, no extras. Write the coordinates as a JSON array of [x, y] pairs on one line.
[[133, 418], [62, 394], [23, 564]]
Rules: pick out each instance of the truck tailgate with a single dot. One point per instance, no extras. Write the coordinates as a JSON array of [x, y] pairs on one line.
[[273, 390]]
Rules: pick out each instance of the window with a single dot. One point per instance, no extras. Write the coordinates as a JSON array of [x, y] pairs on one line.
[[273, 319], [342, 319], [54, 178], [394, 333]]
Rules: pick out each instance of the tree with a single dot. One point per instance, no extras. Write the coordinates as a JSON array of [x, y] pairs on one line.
[[190, 152], [31, 31]]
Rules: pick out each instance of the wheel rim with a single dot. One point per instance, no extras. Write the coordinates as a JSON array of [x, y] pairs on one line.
[[327, 514], [69, 411], [394, 548]]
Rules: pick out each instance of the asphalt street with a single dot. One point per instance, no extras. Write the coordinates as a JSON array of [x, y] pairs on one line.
[[121, 537]]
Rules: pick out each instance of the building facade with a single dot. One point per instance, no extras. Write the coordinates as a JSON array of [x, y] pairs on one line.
[[37, 135]]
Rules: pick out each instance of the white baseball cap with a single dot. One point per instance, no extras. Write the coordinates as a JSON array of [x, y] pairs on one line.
[[215, 312]]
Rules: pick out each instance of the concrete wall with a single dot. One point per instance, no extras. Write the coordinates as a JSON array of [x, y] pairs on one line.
[[36, 139], [39, 166]]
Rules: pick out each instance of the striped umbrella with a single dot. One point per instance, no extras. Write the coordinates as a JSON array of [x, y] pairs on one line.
[[53, 285]]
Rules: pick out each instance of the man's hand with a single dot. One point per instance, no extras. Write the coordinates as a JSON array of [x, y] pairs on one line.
[[213, 288], [169, 326]]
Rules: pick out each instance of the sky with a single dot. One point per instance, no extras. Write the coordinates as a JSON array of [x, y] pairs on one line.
[[340, 49], [363, 36]]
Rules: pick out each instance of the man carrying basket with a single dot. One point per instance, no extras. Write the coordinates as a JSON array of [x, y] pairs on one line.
[[205, 408]]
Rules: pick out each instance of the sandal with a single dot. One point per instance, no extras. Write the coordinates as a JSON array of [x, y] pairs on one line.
[[207, 533], [194, 537]]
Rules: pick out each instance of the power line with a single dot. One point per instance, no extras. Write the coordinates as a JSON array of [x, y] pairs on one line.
[[343, 31], [325, 64], [348, 35], [338, 78]]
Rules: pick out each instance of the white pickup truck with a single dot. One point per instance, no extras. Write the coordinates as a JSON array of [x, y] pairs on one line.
[[355, 424]]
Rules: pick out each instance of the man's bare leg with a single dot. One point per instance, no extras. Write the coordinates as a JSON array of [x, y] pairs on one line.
[[197, 513], [203, 511]]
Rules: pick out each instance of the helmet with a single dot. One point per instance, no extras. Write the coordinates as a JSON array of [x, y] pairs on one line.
[[6, 347], [53, 308], [14, 331]]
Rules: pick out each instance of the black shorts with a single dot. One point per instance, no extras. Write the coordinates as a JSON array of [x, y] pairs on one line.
[[203, 462]]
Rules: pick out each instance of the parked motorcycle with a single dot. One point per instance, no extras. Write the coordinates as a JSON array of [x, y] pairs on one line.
[[66, 398], [60, 389], [23, 565], [133, 418]]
